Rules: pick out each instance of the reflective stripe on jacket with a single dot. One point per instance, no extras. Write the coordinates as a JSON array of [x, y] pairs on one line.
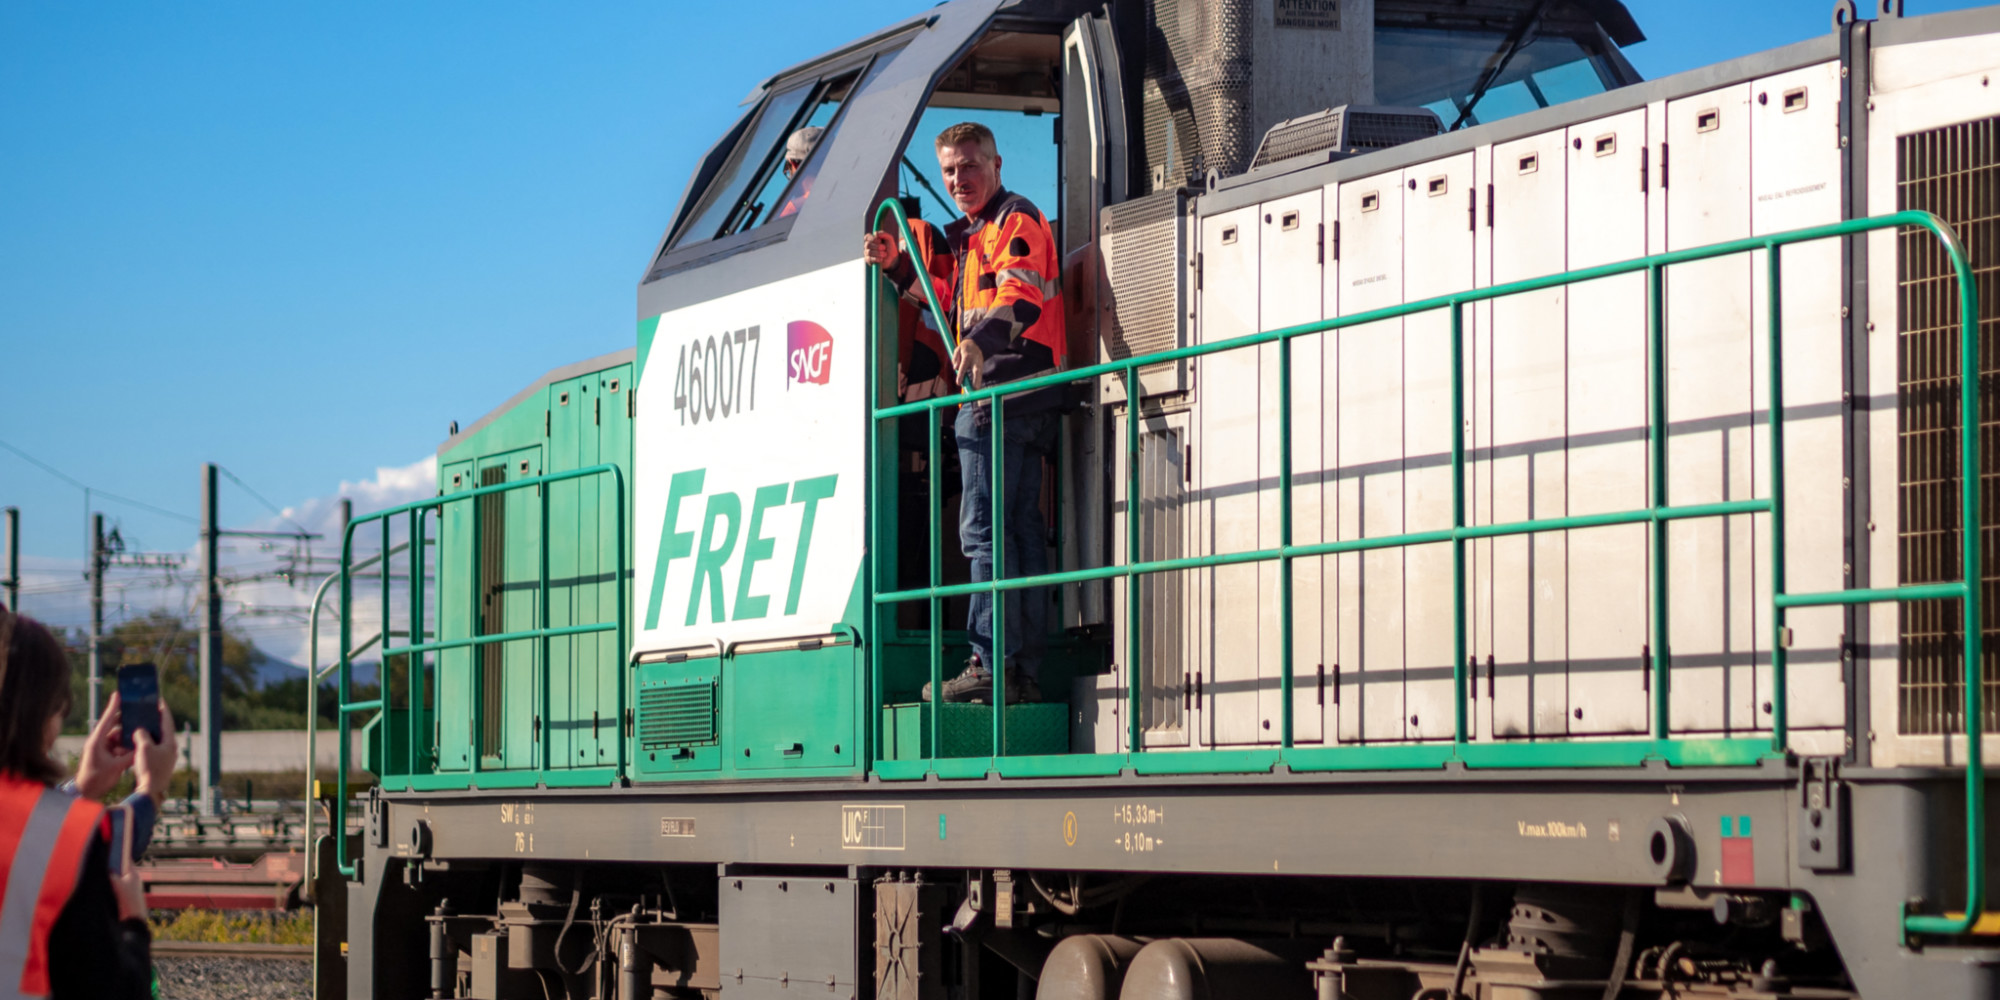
[[44, 839], [1004, 292], [924, 363]]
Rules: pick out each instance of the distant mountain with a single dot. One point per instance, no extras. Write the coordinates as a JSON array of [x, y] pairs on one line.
[[272, 669]]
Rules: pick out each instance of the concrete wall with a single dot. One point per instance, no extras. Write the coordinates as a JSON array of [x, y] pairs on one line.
[[250, 750]]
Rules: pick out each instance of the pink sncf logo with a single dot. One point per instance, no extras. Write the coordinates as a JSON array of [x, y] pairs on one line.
[[809, 352]]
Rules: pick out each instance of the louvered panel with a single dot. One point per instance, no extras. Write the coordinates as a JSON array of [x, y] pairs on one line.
[[676, 715]]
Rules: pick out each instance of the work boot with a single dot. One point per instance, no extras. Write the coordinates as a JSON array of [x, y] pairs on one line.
[[973, 684], [1021, 688]]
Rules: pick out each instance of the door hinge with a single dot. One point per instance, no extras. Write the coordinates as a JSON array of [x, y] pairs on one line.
[[1643, 151], [1336, 683], [1321, 244], [1663, 166], [1335, 242], [1197, 272], [597, 411], [1489, 206], [628, 722], [545, 423], [632, 401], [1490, 671], [1471, 209], [1321, 668]]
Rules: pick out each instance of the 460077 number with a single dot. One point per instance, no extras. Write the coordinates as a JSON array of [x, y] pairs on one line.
[[709, 375]]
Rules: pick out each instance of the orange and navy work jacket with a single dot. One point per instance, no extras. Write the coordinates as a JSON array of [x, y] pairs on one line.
[[1003, 292], [45, 837], [923, 362]]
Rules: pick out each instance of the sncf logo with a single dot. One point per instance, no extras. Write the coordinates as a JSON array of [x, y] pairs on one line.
[[809, 350]]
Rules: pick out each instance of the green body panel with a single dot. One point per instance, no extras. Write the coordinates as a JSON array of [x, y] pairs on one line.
[[452, 561], [791, 710], [573, 705]]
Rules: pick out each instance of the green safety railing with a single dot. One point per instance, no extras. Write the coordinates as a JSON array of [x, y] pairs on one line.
[[416, 512], [1658, 513]]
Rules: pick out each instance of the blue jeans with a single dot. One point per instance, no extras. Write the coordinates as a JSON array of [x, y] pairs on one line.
[[1028, 437]]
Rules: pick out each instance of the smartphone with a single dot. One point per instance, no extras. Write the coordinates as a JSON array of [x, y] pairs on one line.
[[121, 838], [138, 701]]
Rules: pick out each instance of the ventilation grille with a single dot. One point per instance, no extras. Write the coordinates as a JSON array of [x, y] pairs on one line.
[[1141, 261], [1954, 172], [1162, 485], [676, 715], [492, 612], [1346, 127], [1172, 141]]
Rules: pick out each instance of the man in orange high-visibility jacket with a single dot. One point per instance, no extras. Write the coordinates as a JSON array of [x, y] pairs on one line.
[[1003, 297]]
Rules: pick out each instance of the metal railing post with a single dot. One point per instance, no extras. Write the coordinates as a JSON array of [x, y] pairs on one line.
[[1285, 637], [1775, 391], [1659, 670], [414, 667], [543, 727], [1134, 724], [998, 627], [936, 655], [625, 677], [475, 673], [1460, 649], [344, 693]]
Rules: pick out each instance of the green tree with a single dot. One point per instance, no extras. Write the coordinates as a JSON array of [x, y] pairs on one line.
[[172, 645]]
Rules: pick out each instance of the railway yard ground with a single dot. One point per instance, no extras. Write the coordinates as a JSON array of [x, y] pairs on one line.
[[221, 977], [225, 955]]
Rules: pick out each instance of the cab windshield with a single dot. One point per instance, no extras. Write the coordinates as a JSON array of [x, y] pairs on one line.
[[754, 187]]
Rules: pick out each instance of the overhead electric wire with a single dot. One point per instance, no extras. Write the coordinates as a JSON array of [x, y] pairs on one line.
[[260, 498], [94, 491]]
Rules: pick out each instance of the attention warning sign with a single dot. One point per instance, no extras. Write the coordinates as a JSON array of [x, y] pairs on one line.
[[1308, 14]]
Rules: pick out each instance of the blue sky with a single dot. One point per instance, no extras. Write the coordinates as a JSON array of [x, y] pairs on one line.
[[299, 239]]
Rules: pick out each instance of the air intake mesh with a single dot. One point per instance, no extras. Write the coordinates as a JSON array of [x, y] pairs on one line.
[[676, 715], [1954, 172]]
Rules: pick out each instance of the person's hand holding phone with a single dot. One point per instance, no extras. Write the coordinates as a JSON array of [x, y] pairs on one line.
[[157, 760], [105, 756], [125, 881]]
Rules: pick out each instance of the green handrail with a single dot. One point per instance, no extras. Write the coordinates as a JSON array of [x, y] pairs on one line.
[[416, 649], [1658, 512]]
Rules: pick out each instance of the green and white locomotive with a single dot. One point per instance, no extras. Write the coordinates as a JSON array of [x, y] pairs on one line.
[[1516, 531]]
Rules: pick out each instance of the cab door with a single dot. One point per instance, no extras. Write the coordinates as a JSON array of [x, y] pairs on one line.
[[1092, 136]]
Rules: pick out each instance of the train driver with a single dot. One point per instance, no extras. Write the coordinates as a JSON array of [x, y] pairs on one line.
[[1002, 295], [798, 148]]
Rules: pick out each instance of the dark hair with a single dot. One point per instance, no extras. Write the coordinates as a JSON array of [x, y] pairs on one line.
[[34, 684]]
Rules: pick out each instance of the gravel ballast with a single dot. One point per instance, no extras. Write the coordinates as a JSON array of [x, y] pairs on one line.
[[234, 979]]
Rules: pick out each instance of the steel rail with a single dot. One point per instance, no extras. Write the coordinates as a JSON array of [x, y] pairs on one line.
[[1656, 514]]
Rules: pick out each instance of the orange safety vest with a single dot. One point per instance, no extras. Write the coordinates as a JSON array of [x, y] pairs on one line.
[[44, 838], [1006, 290], [923, 362]]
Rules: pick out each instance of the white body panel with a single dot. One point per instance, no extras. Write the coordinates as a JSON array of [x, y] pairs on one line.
[[804, 433], [1369, 498], [1713, 605]]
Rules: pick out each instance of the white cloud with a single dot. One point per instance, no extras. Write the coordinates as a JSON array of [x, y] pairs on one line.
[[268, 609], [273, 611]]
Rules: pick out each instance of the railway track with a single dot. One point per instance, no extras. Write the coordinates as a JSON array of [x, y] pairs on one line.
[[211, 949]]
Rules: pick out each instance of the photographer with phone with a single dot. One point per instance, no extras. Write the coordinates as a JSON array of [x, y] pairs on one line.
[[69, 926]]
